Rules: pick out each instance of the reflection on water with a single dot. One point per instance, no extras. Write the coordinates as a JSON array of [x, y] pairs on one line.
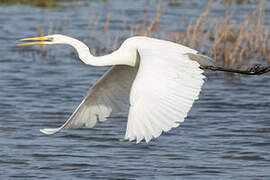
[[226, 134]]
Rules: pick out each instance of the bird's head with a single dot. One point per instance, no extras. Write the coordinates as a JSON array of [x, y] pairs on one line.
[[51, 39]]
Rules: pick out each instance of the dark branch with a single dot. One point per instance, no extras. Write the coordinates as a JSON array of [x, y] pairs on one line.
[[257, 69]]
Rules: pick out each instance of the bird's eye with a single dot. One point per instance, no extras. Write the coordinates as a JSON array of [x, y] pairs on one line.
[[50, 39]]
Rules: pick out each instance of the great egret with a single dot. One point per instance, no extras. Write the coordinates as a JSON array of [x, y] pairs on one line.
[[159, 79]]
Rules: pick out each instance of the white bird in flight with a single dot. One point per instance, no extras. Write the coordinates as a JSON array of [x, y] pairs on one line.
[[158, 79]]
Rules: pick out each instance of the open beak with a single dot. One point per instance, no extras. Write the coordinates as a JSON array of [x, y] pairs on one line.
[[39, 40]]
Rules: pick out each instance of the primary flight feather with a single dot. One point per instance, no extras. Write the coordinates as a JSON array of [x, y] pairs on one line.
[[160, 80]]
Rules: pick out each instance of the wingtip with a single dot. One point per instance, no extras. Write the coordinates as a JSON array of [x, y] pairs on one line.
[[49, 131]]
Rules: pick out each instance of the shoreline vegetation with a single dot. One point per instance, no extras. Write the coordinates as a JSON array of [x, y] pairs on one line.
[[59, 3], [231, 44], [37, 3]]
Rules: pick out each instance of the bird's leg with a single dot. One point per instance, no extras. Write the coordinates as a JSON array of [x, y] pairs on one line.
[[257, 69]]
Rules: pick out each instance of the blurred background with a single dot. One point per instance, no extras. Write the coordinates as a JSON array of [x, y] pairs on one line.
[[226, 134]]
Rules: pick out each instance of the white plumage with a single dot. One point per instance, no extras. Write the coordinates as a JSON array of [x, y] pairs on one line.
[[157, 78], [162, 93], [108, 96]]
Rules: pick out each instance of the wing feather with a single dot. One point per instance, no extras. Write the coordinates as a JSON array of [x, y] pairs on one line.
[[166, 85], [108, 96]]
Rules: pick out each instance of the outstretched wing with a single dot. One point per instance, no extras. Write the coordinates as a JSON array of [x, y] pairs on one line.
[[166, 85], [109, 95]]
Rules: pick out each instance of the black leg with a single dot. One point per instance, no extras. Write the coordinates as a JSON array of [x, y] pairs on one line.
[[257, 69]]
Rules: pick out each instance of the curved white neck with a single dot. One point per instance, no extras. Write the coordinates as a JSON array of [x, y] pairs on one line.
[[123, 56]]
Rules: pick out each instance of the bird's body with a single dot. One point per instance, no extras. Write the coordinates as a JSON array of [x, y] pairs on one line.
[[159, 79]]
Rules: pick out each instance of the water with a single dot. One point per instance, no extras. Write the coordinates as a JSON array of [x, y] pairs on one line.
[[225, 136]]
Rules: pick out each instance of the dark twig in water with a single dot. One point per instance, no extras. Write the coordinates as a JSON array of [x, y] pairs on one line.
[[257, 69]]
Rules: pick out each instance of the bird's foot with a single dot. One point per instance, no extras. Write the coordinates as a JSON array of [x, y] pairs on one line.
[[258, 69]]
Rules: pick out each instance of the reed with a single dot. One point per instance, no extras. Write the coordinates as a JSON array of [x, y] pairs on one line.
[[230, 44]]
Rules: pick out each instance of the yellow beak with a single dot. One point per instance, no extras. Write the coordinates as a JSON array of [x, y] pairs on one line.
[[40, 40]]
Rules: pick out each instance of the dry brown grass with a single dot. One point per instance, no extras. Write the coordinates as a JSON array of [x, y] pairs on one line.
[[239, 45], [230, 44]]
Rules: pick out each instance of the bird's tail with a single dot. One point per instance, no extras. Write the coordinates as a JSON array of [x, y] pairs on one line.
[[203, 60]]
